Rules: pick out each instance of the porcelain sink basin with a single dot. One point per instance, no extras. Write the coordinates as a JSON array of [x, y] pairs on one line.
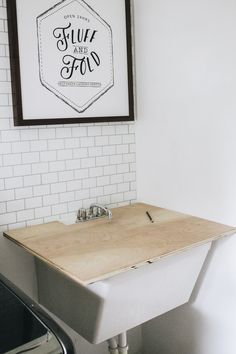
[[111, 306]]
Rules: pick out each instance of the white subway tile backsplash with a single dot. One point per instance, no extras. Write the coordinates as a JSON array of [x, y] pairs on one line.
[[57, 166], [51, 199], [22, 170], [41, 167], [21, 193], [35, 202], [51, 177], [12, 159], [29, 134], [21, 146], [14, 182], [41, 190], [49, 172], [74, 185], [7, 218], [25, 215], [58, 187], [15, 205], [33, 180]]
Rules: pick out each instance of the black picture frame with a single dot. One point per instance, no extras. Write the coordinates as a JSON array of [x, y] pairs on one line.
[[20, 119]]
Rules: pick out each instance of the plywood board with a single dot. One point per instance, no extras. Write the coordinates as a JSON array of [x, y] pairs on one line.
[[98, 249]]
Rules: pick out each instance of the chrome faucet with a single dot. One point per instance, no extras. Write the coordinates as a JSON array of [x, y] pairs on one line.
[[95, 211], [100, 210]]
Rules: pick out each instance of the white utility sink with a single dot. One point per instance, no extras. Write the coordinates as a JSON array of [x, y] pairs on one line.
[[105, 277], [105, 308]]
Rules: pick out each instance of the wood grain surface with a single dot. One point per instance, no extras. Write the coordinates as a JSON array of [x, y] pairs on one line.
[[98, 249]]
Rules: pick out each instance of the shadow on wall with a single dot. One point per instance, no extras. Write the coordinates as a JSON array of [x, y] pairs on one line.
[[183, 339], [206, 324]]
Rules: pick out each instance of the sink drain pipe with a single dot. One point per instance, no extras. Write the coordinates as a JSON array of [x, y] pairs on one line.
[[118, 348]]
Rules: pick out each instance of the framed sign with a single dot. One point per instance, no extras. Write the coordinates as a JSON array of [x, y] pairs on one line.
[[71, 61]]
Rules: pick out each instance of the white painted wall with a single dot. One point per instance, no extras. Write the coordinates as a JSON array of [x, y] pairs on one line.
[[186, 89]]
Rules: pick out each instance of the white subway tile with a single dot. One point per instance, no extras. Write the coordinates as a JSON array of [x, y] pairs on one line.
[[48, 156], [5, 148], [64, 154], [51, 177], [42, 212], [71, 143], [20, 147], [56, 144], [22, 170], [5, 87], [3, 97], [110, 189], [51, 199], [59, 209], [96, 172], [82, 194], [22, 193], [81, 174], [58, 187], [7, 218], [102, 161], [3, 208], [108, 130], [94, 151], [80, 131], [109, 170], [115, 139], [63, 132], [129, 177], [33, 180], [109, 150], [29, 134], [89, 162], [116, 198], [80, 153], [47, 133], [131, 195], [101, 140], [129, 139], [41, 167], [41, 190], [116, 159], [96, 192], [66, 176], [25, 215], [3, 14], [129, 157], [12, 159], [122, 149], [15, 205], [123, 168], [94, 131], [14, 182], [89, 183], [103, 181], [122, 129], [35, 202], [10, 135], [74, 185], [117, 179], [86, 141], [6, 112], [123, 187], [67, 197], [38, 145], [57, 166]]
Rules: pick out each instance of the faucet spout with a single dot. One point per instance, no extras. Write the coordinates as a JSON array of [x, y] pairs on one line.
[[100, 210]]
